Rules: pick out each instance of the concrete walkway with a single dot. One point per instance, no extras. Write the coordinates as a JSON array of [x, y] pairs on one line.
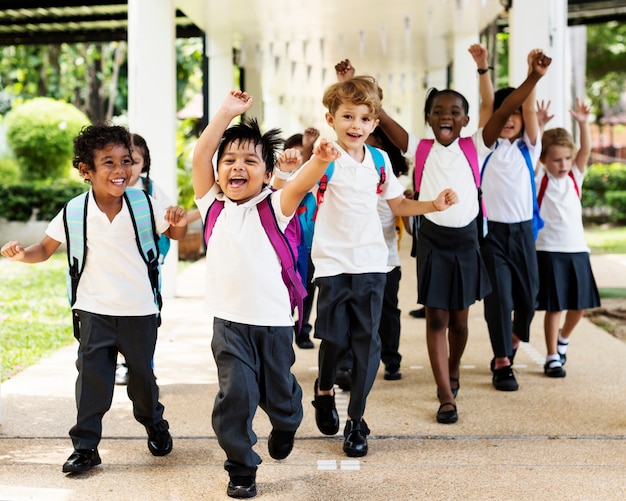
[[552, 439]]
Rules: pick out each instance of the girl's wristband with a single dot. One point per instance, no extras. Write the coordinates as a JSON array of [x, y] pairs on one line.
[[284, 175]]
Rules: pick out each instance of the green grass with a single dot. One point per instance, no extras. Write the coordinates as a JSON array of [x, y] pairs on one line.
[[35, 316], [612, 292], [606, 239]]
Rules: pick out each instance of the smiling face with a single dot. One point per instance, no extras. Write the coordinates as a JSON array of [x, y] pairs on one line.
[[111, 172], [447, 117], [241, 171], [353, 123], [558, 160]]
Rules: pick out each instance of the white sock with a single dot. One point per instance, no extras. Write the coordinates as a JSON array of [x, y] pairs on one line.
[[561, 346], [553, 361]]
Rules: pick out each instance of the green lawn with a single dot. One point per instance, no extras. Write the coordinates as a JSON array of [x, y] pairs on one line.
[[606, 240], [35, 316]]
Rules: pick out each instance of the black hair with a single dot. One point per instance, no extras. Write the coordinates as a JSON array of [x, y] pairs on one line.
[[399, 163], [433, 93], [249, 131], [138, 142], [92, 138], [293, 141], [500, 95]]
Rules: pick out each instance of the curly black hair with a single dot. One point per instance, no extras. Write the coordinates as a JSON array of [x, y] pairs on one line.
[[433, 93], [249, 131], [92, 138]]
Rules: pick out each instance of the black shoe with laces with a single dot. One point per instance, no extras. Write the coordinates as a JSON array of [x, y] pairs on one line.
[[159, 438]]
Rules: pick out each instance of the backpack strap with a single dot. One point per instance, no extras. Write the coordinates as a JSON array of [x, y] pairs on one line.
[[423, 149], [147, 237], [379, 163], [290, 276], [544, 185], [537, 221], [75, 222]]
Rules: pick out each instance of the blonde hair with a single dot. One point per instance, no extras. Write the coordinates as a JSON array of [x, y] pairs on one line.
[[358, 90], [556, 137]]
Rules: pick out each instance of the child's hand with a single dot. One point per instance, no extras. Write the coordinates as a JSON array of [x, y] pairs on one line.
[[237, 102], [543, 113], [326, 151], [13, 250], [309, 137], [446, 199], [289, 160], [480, 55], [176, 216], [582, 112], [344, 70], [538, 62]]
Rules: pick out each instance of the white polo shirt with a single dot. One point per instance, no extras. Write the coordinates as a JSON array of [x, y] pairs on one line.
[[115, 278], [561, 212], [243, 271], [348, 233], [448, 167], [506, 182]]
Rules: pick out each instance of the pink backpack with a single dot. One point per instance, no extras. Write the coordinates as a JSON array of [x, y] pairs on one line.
[[285, 244], [469, 150]]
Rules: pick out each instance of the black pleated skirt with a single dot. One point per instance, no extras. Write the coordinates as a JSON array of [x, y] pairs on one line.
[[451, 274], [566, 281]]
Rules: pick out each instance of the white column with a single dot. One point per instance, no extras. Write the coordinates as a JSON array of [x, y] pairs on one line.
[[465, 79], [152, 99], [221, 80], [548, 19]]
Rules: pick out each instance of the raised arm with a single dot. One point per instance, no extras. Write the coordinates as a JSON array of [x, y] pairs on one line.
[[308, 142], [581, 115], [529, 110], [202, 175], [395, 132], [539, 67], [309, 174], [481, 58]]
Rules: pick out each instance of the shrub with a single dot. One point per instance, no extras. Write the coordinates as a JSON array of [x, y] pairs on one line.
[[41, 134], [9, 170], [46, 199], [617, 201], [600, 179]]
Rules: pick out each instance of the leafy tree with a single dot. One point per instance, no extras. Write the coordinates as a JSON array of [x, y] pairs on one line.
[[606, 65]]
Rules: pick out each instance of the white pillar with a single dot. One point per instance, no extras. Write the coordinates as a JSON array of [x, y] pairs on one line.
[[221, 80], [548, 19], [465, 79], [152, 99]]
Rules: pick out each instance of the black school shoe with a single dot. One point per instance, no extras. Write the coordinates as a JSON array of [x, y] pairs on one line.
[[504, 380], [280, 443], [82, 460], [241, 487], [355, 443], [159, 438], [326, 417]]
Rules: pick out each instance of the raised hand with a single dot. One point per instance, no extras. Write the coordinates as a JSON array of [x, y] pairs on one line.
[[480, 54], [344, 70], [582, 111], [326, 151], [237, 102], [289, 160]]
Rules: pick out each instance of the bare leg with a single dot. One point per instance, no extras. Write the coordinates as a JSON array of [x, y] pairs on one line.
[[551, 323], [436, 326]]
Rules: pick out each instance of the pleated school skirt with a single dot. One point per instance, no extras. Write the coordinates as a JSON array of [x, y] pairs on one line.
[[566, 281], [451, 274]]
